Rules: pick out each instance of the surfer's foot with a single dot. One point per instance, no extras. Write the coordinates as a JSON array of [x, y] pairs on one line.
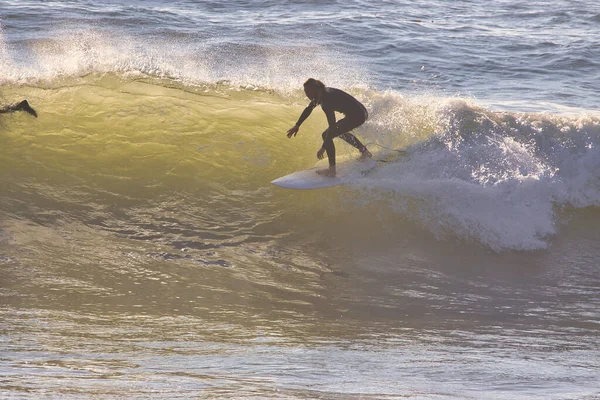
[[329, 172], [364, 154], [24, 106]]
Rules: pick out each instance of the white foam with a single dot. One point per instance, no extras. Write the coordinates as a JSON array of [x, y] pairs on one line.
[[71, 51], [494, 178]]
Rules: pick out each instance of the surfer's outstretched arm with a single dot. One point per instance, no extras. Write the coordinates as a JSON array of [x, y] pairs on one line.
[[22, 106], [305, 114]]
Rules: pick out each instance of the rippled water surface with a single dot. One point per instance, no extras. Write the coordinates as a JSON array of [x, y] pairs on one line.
[[144, 253]]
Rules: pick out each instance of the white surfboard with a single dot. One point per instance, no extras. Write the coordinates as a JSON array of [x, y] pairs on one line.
[[309, 179]]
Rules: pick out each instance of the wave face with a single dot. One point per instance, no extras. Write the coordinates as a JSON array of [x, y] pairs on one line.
[[125, 124], [143, 250], [109, 142]]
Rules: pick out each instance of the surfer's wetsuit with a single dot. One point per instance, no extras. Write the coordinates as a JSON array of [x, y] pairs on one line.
[[355, 114]]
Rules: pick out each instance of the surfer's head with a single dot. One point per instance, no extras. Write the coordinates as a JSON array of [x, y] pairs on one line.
[[313, 88]]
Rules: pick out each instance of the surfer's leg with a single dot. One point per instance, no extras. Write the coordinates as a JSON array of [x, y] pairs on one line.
[[344, 127], [353, 141], [329, 148]]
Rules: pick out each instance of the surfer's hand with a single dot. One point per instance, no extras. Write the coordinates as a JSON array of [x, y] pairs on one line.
[[320, 155], [293, 131]]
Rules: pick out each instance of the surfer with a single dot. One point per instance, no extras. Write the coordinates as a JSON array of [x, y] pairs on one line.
[[331, 100], [22, 106]]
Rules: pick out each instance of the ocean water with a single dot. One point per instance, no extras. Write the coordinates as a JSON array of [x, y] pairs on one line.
[[144, 253]]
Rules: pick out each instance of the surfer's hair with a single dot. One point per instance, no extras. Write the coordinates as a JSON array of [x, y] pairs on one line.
[[312, 82]]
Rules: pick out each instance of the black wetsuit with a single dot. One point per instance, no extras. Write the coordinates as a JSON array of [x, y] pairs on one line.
[[355, 114]]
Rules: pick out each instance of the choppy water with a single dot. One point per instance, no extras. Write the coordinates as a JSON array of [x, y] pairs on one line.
[[143, 252]]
